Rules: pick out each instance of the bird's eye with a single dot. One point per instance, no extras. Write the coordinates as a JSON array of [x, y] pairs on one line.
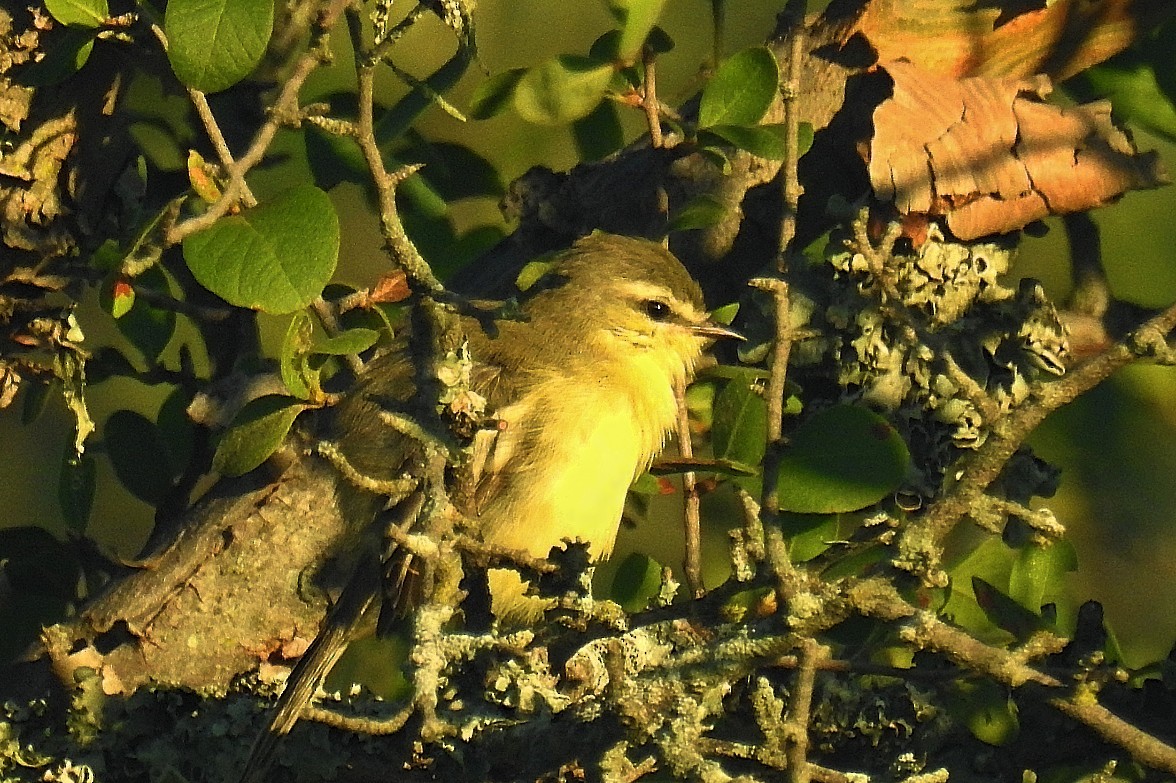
[[657, 310]]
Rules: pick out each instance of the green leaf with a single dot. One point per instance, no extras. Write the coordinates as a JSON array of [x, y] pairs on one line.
[[740, 427], [741, 91], [1132, 86], [1038, 572], [842, 459], [562, 90], [808, 534], [256, 432], [159, 145], [75, 489], [138, 455], [725, 315], [637, 18], [702, 211], [296, 375], [350, 341], [985, 708], [533, 272], [637, 582], [275, 257], [79, 13], [763, 141], [213, 44], [492, 96]]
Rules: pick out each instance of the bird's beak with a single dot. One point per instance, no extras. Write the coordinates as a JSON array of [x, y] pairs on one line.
[[715, 331]]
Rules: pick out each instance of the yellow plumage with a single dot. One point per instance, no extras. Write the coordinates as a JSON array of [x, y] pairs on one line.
[[583, 385]]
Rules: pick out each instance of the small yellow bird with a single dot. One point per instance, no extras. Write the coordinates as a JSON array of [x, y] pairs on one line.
[[582, 387]]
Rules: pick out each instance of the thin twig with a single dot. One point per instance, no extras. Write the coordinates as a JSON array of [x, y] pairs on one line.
[[400, 248], [777, 383], [212, 129], [1009, 433], [204, 111], [800, 704], [649, 98], [285, 106], [791, 92], [692, 560]]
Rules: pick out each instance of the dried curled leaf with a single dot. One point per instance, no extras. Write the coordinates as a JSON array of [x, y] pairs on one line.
[[990, 156]]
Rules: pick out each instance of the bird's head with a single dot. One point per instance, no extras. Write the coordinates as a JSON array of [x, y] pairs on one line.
[[620, 299]]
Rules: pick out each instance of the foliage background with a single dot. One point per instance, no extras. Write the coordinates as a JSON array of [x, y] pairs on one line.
[[1116, 445]]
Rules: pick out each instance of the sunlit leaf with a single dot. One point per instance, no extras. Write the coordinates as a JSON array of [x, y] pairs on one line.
[[292, 359], [256, 432], [842, 459], [1038, 572], [79, 13], [741, 91], [636, 18], [562, 90], [275, 257], [492, 96], [213, 44], [350, 341]]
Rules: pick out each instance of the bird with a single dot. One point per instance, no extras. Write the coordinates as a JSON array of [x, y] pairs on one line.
[[580, 381]]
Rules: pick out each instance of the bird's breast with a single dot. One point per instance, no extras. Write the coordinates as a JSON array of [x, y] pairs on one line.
[[566, 460]]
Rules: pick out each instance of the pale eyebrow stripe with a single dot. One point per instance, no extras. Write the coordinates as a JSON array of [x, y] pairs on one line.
[[641, 289]]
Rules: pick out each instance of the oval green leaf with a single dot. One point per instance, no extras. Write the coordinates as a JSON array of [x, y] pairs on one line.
[[702, 211], [255, 434], [741, 91], [79, 13], [986, 709], [763, 141], [492, 96], [213, 44], [562, 90], [350, 341], [275, 257], [842, 459], [637, 582], [292, 360], [637, 18], [740, 428]]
